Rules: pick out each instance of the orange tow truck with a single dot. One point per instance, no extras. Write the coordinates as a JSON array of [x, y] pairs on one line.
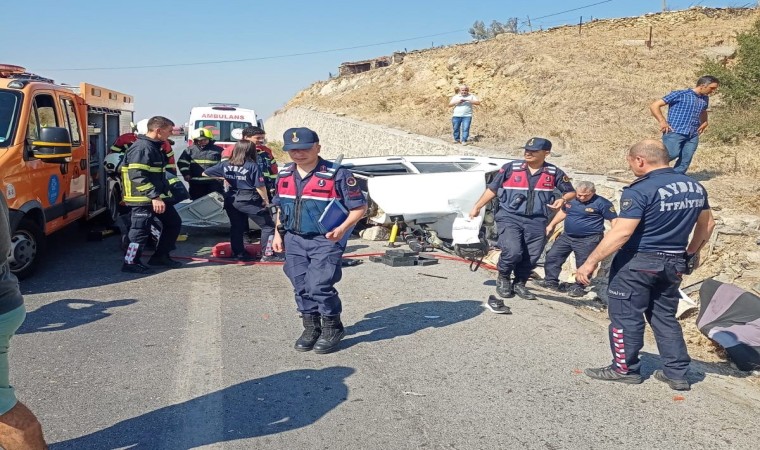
[[53, 142]]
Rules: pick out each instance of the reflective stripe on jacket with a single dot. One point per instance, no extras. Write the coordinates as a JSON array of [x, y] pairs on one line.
[[517, 196], [300, 211], [143, 172], [195, 160]]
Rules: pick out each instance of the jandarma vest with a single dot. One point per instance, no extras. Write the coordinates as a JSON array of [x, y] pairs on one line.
[[300, 211], [516, 195]]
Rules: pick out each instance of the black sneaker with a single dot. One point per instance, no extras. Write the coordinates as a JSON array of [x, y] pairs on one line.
[[165, 261], [497, 305], [575, 291], [610, 374], [676, 385], [137, 267], [553, 286], [273, 258], [522, 291]]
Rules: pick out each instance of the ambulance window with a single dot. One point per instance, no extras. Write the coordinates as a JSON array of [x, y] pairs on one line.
[[70, 116], [221, 129], [43, 115]]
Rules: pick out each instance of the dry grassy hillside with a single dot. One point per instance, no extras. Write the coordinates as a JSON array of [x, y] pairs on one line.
[[588, 92]]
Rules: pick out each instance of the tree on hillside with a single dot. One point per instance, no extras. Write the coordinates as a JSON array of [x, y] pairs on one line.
[[740, 83], [739, 88], [479, 31]]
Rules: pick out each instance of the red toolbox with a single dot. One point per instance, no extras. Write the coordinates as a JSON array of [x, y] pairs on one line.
[[224, 250]]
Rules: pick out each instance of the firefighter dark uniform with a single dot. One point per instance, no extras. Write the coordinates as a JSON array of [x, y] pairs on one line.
[[241, 202], [194, 161], [646, 272], [584, 229], [268, 167], [313, 262], [522, 217], [144, 179], [123, 142]]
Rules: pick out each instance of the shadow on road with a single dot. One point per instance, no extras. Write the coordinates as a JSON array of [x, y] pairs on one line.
[[651, 362], [69, 313], [72, 262], [409, 318], [260, 407]]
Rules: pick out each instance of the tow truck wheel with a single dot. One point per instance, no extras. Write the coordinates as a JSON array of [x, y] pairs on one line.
[[26, 246], [114, 207]]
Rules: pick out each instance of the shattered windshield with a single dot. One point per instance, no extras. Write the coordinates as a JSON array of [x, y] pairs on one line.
[[10, 103]]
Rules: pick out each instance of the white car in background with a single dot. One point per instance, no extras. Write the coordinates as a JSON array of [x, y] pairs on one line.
[[430, 194]]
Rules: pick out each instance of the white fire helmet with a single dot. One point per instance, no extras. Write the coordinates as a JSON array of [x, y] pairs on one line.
[[112, 161], [142, 126]]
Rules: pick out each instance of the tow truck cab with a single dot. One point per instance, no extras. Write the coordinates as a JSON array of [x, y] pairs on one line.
[[53, 141]]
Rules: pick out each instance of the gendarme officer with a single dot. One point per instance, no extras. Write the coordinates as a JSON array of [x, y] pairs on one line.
[[526, 193], [657, 213], [313, 249]]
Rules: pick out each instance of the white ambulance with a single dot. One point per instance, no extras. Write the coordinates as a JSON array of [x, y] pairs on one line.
[[221, 119]]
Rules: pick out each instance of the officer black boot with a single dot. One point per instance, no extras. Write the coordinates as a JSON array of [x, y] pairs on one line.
[[504, 287], [312, 328], [332, 333], [523, 291]]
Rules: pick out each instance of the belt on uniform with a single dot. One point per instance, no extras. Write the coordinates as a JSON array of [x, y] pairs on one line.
[[584, 237], [680, 255], [304, 235]]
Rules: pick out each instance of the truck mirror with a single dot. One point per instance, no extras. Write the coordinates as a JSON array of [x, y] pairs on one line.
[[53, 145]]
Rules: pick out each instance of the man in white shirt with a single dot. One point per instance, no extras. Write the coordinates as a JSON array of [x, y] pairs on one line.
[[462, 117]]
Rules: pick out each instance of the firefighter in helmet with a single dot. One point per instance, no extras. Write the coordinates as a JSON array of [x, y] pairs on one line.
[[200, 156]]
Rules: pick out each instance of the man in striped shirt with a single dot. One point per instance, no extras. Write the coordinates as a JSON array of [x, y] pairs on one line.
[[687, 120]]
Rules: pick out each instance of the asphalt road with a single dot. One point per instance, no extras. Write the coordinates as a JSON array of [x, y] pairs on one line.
[[202, 357]]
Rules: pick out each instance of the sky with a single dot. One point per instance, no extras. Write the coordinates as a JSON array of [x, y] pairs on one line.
[[284, 45]]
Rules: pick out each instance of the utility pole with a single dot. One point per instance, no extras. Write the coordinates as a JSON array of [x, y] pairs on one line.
[[664, 5]]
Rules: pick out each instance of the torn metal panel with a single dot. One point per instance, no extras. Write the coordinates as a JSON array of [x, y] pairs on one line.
[[435, 199]]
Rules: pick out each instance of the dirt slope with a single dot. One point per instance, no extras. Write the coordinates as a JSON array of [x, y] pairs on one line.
[[588, 92]]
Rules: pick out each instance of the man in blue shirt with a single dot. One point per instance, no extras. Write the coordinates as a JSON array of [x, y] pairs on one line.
[[526, 194], [306, 189], [658, 211], [687, 120], [584, 228]]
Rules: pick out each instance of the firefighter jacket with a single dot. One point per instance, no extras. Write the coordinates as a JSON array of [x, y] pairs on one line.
[[195, 160], [143, 173], [268, 167], [123, 142], [300, 211]]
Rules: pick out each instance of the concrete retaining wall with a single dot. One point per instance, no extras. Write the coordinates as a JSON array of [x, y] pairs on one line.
[[355, 139]]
